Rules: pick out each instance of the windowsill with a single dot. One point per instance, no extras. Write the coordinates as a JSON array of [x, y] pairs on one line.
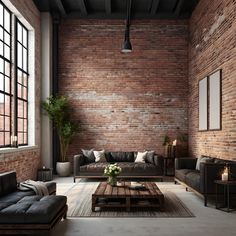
[[19, 149]]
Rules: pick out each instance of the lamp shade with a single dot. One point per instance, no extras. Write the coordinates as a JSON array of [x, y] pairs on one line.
[[127, 47]]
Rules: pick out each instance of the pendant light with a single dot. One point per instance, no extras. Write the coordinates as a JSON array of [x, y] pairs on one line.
[[127, 47]]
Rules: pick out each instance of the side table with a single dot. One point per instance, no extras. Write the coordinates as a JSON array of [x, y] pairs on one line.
[[44, 174], [169, 166], [226, 184]]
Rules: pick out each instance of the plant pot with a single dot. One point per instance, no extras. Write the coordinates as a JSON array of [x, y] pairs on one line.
[[63, 169]]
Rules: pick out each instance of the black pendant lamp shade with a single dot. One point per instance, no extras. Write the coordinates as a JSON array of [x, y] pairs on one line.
[[127, 47]]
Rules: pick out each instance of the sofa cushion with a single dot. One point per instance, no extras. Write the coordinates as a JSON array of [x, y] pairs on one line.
[[181, 174], [32, 210], [8, 182], [142, 169], [89, 156], [121, 157], [4, 205], [192, 179], [16, 196], [149, 157], [96, 167], [128, 169]]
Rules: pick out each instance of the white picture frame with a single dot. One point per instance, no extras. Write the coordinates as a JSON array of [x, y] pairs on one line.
[[203, 104], [215, 101]]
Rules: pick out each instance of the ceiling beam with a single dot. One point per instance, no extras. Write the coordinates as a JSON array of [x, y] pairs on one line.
[[179, 7], [154, 7], [60, 7], [78, 15], [108, 6], [82, 7], [42, 5]]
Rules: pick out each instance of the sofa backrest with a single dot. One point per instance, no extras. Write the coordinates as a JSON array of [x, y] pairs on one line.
[[8, 183], [120, 157]]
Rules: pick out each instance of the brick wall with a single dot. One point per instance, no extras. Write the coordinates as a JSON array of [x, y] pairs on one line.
[[212, 46], [125, 101], [26, 161]]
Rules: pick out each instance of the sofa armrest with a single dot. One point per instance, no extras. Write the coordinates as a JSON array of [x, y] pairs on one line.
[[185, 163], [209, 172], [78, 161]]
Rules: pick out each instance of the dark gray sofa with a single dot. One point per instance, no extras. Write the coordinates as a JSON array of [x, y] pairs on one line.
[[23, 212], [152, 168], [201, 181]]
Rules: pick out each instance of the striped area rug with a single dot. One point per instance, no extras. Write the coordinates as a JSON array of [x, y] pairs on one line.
[[79, 205]]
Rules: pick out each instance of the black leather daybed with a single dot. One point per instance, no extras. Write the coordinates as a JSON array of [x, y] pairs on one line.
[[23, 212]]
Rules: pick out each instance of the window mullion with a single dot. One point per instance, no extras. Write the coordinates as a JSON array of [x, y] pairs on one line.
[[15, 77], [6, 77], [21, 71]]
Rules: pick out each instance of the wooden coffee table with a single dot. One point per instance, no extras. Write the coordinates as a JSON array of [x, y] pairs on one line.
[[122, 196]]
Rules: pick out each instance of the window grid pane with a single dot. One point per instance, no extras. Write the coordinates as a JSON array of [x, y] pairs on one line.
[[22, 84], [5, 76]]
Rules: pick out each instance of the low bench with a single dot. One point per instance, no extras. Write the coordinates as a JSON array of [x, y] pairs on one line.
[[23, 212]]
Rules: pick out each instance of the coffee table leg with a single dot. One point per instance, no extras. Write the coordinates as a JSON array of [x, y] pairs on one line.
[[128, 204], [93, 203]]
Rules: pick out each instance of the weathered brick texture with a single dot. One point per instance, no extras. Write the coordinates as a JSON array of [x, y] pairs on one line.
[[125, 101], [212, 46], [26, 162]]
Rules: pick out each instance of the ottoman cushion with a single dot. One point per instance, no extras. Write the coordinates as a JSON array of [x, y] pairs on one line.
[[32, 209]]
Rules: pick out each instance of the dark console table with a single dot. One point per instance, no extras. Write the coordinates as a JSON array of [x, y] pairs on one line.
[[169, 166]]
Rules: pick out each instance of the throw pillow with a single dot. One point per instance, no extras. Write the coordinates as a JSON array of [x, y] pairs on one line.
[[203, 159], [99, 156], [198, 163], [150, 156], [89, 155], [141, 157]]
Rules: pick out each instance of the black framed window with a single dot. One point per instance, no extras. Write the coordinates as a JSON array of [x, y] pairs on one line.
[[21, 83], [14, 75], [5, 76]]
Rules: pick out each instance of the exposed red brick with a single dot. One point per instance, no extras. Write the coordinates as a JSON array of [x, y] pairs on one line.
[[212, 46], [25, 163], [125, 102]]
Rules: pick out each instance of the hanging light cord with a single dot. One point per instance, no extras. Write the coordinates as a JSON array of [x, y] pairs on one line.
[[129, 2]]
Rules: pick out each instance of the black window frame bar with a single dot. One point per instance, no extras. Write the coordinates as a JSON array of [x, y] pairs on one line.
[[16, 82], [9, 77]]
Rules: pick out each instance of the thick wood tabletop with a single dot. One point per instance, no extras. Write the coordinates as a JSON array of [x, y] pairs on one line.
[[106, 190]]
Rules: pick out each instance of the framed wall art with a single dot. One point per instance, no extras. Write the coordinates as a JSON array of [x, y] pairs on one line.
[[203, 97], [215, 101]]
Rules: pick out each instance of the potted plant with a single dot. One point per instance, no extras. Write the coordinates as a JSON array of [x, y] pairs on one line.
[[57, 108]]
